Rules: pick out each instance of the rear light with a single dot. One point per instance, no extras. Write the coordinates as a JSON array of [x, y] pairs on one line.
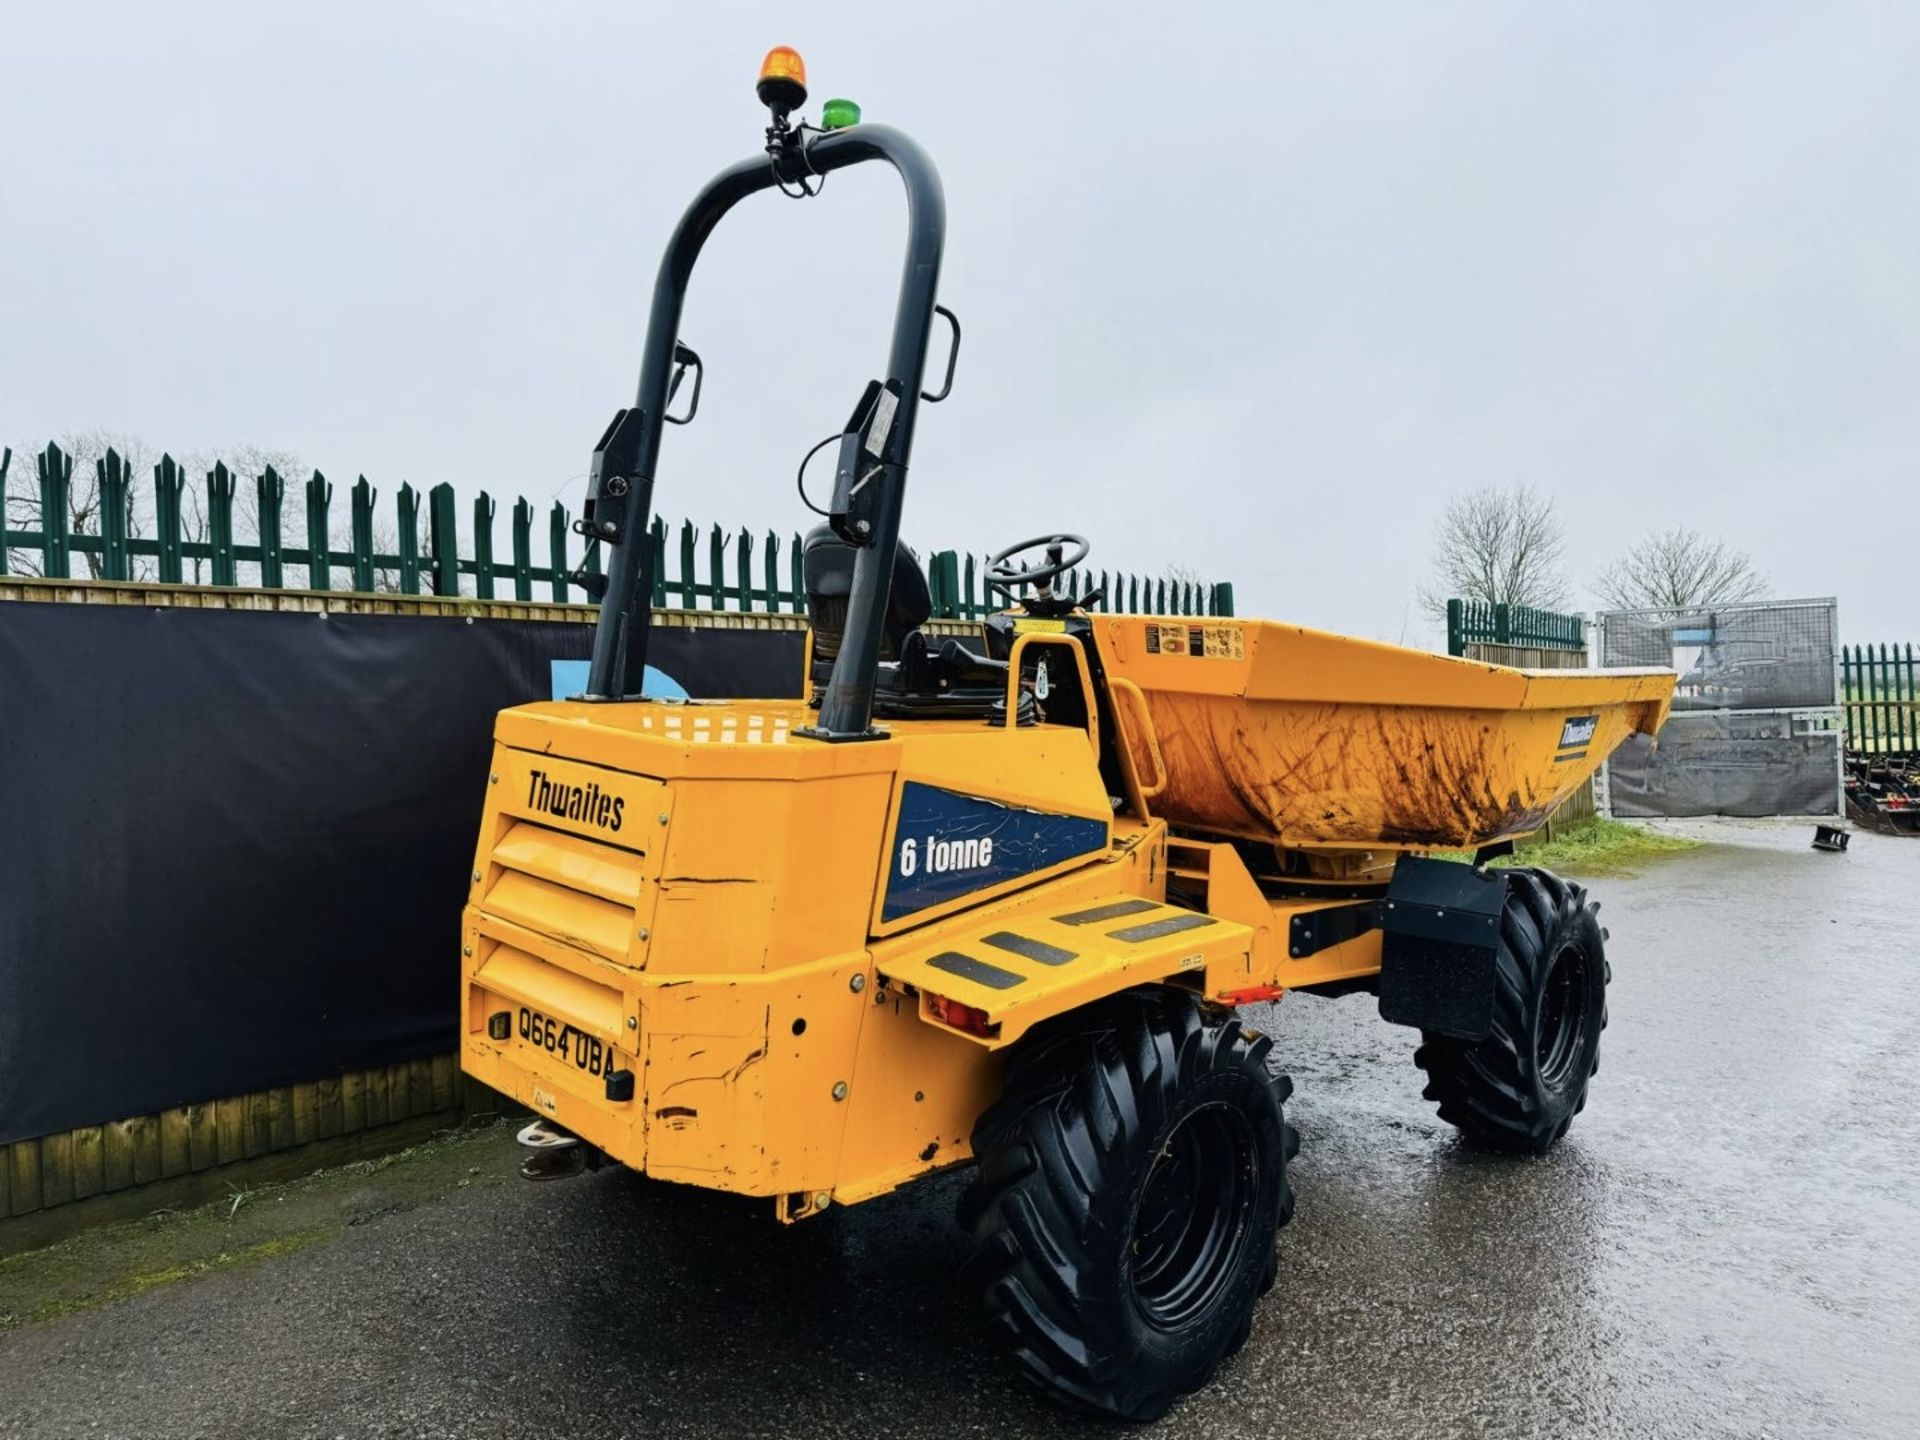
[[961, 1017], [499, 1025]]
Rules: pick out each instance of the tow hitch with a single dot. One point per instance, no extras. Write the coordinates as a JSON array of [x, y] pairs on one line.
[[556, 1153]]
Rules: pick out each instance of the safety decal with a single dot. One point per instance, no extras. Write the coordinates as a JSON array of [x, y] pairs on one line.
[[949, 845], [1202, 642]]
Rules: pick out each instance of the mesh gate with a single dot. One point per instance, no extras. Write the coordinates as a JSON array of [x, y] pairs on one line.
[[1756, 724]]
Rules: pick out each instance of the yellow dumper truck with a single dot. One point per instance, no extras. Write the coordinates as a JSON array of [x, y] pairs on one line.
[[997, 901]]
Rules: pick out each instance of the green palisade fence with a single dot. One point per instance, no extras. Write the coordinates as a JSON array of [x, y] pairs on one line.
[[188, 535], [1880, 693], [1477, 622]]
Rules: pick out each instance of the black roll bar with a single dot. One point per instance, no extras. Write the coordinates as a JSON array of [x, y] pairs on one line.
[[620, 490]]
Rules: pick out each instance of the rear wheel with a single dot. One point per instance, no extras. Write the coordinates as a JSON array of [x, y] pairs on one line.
[[1520, 1087], [1131, 1180]]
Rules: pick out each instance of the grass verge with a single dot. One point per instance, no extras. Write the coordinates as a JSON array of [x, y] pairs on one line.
[[1594, 845]]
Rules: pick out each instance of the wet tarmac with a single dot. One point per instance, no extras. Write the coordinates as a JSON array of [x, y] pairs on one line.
[[1728, 1244]]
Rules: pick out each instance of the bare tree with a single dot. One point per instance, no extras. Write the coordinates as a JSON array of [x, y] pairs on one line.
[[246, 463], [1679, 569], [20, 484], [1500, 544], [88, 451]]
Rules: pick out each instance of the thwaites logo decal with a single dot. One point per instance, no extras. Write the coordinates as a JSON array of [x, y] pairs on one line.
[[1575, 736], [575, 802], [949, 845]]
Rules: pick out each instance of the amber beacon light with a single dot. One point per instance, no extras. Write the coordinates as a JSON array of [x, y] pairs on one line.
[[783, 80]]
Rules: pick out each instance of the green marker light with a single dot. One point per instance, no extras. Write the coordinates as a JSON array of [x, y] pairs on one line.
[[838, 114]]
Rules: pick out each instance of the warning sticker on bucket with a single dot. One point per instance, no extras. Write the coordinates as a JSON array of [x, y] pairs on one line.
[[1202, 642]]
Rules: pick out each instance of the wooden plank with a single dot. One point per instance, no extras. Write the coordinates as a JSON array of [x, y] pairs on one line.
[[353, 1102], [443, 1089], [203, 1137], [304, 1112], [23, 1161], [146, 1148], [399, 1093], [230, 1128], [375, 1082], [176, 1141], [420, 1087], [89, 1162], [327, 1111], [279, 1118], [56, 1169], [259, 1124], [116, 1155]]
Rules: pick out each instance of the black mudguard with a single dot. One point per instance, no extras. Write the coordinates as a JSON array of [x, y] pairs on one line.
[[1441, 924]]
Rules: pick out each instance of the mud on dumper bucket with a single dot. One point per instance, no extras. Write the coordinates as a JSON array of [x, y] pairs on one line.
[[1280, 733]]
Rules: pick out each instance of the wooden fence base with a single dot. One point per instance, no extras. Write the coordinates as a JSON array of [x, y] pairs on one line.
[[58, 1184]]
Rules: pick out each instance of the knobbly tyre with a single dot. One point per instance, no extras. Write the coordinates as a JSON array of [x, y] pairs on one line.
[[997, 899]]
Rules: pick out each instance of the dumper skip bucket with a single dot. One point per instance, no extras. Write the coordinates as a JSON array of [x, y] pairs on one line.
[[1302, 738]]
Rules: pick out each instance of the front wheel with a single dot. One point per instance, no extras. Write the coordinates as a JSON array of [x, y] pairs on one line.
[[1131, 1180], [1520, 1087]]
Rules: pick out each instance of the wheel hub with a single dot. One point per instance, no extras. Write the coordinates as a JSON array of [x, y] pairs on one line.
[[1565, 999], [1193, 1217]]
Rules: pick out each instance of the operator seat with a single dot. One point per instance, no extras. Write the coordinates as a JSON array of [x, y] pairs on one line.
[[918, 674], [827, 563]]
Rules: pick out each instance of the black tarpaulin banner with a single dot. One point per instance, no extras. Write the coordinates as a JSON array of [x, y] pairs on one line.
[[234, 844]]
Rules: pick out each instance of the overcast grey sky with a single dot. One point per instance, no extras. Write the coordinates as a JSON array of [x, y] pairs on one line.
[[1248, 288]]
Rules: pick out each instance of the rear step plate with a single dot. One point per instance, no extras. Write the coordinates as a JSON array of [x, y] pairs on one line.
[[1025, 966]]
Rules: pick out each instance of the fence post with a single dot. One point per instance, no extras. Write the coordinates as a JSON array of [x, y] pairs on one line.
[[409, 539], [6, 461], [168, 483], [56, 484], [115, 563], [1888, 703], [270, 489], [220, 489], [319, 533], [657, 538], [443, 539], [557, 552], [770, 567], [1223, 598], [522, 549], [1456, 643], [360, 523], [1913, 705], [796, 574], [939, 587], [685, 586], [483, 512]]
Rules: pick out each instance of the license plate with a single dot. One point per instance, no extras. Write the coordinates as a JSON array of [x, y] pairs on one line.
[[584, 1052]]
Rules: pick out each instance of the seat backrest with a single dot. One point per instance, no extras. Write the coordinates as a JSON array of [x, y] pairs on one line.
[[827, 563]]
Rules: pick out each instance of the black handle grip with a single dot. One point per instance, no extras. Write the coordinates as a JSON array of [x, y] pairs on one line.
[[953, 358], [683, 357]]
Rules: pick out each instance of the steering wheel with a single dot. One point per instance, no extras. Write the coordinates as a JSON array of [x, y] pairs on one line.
[[1001, 575]]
